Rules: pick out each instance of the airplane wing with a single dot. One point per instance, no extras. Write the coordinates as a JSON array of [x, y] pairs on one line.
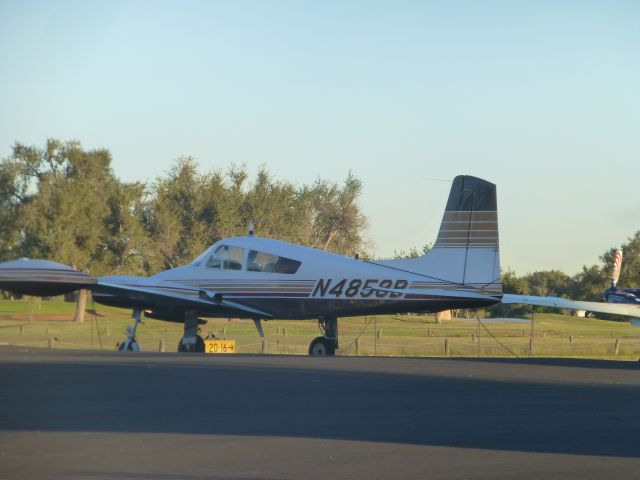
[[557, 302], [46, 278], [174, 295]]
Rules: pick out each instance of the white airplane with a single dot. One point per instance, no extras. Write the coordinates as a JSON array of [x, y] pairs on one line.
[[261, 279]]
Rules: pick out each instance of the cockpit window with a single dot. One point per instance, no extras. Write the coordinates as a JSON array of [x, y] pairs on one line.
[[267, 262], [230, 258]]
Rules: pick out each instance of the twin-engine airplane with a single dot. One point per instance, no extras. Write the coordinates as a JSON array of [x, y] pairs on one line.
[[260, 279]]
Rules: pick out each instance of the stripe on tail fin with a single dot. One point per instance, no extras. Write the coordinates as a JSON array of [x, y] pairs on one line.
[[471, 217]]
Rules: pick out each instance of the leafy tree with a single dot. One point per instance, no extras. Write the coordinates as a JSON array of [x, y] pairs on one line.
[[413, 252], [590, 283]]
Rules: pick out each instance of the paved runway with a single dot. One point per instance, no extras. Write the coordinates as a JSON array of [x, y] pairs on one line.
[[73, 414]]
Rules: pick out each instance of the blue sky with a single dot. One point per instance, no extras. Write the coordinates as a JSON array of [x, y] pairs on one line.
[[539, 97]]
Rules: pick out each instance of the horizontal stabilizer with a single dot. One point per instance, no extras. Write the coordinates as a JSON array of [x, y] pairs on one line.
[[557, 302]]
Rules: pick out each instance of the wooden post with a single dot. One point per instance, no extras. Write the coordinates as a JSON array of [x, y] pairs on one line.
[[446, 347], [21, 330], [29, 307], [531, 347], [80, 306], [358, 346], [570, 339], [616, 348], [52, 343], [161, 346], [379, 333], [429, 332], [224, 333], [284, 332], [264, 345]]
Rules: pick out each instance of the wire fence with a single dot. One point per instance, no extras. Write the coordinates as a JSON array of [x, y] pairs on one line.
[[394, 336]]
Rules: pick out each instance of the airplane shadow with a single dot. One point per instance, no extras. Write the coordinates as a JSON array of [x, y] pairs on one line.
[[361, 404]]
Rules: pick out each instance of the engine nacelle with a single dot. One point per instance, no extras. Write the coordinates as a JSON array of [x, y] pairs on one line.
[[42, 278]]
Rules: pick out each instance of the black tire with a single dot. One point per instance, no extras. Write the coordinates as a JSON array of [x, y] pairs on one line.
[[199, 347], [322, 347], [130, 347]]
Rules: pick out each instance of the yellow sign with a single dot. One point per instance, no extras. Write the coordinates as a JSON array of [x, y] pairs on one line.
[[220, 346]]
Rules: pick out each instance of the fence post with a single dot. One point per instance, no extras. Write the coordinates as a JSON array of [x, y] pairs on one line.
[[446, 347], [161, 346], [379, 333], [570, 339], [21, 330], [358, 346], [284, 332], [616, 348], [531, 347], [224, 332], [264, 345], [52, 343]]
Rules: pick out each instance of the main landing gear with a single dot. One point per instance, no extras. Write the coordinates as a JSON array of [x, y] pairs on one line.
[[191, 342], [130, 344], [328, 343]]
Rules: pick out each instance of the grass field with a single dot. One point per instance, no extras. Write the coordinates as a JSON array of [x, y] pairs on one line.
[[44, 323]]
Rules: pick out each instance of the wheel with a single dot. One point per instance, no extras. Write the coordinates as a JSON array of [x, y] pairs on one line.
[[131, 346], [322, 347], [199, 346]]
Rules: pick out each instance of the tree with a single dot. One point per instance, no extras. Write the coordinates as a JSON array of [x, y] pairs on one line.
[[334, 219], [413, 252]]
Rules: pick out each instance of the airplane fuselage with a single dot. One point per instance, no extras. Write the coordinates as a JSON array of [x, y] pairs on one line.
[[324, 284]]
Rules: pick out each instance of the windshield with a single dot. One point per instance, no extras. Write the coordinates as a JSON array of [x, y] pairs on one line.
[[227, 257]]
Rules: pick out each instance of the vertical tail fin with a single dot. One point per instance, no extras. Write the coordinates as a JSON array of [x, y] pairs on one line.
[[467, 250]]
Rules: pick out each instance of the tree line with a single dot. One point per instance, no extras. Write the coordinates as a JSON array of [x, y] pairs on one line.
[[65, 203]]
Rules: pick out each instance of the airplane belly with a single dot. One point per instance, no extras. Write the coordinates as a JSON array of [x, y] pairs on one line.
[[313, 307]]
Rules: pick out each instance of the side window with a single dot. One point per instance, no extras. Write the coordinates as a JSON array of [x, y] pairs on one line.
[[230, 258], [261, 262], [286, 265], [269, 263]]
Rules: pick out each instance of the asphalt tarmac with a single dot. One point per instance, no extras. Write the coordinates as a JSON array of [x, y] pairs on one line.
[[109, 415]]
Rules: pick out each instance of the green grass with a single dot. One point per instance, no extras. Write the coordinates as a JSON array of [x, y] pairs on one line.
[[35, 323]]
